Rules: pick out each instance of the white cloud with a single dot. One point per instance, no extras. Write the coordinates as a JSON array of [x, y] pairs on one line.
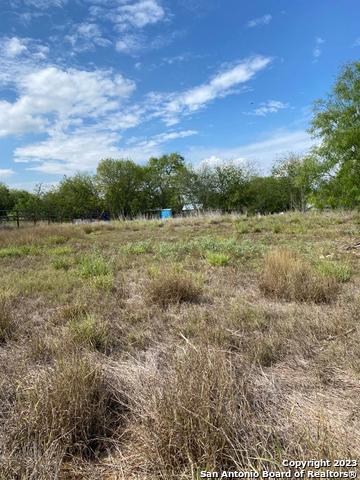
[[131, 18], [15, 120], [130, 43], [44, 4], [139, 14], [12, 47], [264, 20], [162, 138], [85, 36], [271, 106], [317, 51], [83, 149], [357, 42], [6, 173], [128, 14], [67, 153], [171, 106], [262, 152], [71, 95]]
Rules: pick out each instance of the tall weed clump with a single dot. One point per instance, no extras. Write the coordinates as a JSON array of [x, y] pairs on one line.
[[7, 322], [69, 410], [194, 415], [172, 286], [287, 276]]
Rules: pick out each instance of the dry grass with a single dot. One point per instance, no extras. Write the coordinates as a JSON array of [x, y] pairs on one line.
[[7, 322], [152, 349], [287, 276], [197, 413], [66, 410], [170, 286]]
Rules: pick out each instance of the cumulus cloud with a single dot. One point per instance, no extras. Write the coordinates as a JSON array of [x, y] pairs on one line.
[[81, 150], [170, 107], [256, 22], [67, 94], [12, 47], [271, 106]]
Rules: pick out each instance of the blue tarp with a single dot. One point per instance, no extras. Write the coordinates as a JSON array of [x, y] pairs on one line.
[[166, 213]]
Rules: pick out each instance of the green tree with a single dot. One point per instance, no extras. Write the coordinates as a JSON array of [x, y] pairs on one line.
[[300, 176], [336, 123], [6, 199], [168, 180], [121, 183], [223, 187], [267, 195], [74, 197]]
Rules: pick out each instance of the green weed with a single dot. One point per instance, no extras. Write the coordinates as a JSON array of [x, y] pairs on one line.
[[218, 259]]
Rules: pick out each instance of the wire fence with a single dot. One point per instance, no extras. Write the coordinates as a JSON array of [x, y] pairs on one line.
[[21, 217]]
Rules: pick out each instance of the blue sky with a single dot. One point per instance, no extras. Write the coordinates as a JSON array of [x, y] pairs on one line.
[[216, 80]]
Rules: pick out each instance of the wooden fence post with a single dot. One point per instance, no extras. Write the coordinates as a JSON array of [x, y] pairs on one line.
[[17, 219]]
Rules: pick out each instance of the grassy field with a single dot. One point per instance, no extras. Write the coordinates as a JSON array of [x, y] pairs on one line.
[[151, 349]]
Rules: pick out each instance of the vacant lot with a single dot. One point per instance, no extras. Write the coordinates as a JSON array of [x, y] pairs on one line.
[[159, 349]]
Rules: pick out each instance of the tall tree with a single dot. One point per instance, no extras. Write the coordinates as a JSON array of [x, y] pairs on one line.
[[75, 196], [168, 180], [6, 199], [224, 186], [300, 176], [121, 183], [336, 123]]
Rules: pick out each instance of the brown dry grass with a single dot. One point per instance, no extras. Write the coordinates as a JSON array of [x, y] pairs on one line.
[[289, 277], [180, 366], [170, 286]]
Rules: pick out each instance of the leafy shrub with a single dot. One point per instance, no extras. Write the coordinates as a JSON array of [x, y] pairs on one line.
[[218, 259], [288, 277]]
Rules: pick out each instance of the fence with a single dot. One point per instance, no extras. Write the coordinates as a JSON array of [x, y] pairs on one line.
[[19, 217]]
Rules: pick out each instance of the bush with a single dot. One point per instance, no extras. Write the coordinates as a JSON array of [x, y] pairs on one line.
[[288, 277], [172, 287], [218, 259]]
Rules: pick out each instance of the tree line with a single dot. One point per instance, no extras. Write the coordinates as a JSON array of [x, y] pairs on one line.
[[328, 176]]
